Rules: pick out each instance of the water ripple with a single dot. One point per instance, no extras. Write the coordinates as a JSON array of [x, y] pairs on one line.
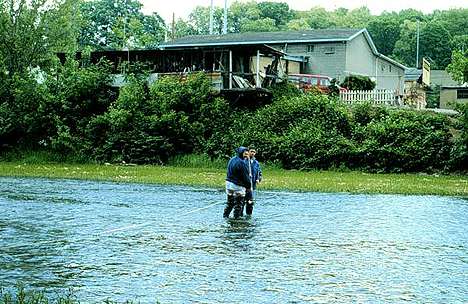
[[297, 248]]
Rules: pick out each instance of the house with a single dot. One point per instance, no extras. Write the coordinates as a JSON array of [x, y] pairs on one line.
[[451, 91], [451, 95], [332, 52], [442, 78]]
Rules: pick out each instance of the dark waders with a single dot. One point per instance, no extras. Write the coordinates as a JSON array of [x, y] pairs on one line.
[[249, 202], [236, 203]]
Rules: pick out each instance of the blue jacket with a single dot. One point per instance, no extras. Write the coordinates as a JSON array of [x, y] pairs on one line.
[[256, 172], [238, 170]]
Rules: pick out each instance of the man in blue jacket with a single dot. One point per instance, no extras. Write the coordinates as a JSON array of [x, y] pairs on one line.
[[256, 177], [237, 182]]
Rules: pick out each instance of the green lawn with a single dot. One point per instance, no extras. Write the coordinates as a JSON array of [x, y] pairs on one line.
[[321, 181]]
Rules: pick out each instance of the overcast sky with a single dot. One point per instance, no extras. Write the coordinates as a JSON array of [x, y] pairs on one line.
[[182, 8]]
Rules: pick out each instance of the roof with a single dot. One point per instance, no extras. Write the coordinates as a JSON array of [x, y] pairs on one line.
[[412, 74], [323, 35], [454, 87], [265, 38], [391, 61]]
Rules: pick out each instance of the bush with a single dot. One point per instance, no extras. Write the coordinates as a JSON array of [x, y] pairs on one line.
[[459, 153], [355, 82], [150, 124], [284, 89], [293, 131], [75, 114], [314, 146], [404, 141]]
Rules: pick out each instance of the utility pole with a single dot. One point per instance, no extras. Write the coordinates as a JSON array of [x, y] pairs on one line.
[[173, 26], [417, 45], [225, 18], [211, 18]]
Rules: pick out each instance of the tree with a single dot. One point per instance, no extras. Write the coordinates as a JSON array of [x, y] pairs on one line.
[[298, 25], [199, 20], [456, 20], [385, 32], [459, 43], [146, 31], [182, 28], [356, 82], [319, 18], [31, 31], [259, 25], [411, 15], [277, 11], [240, 13], [405, 48], [458, 68], [118, 23], [435, 44]]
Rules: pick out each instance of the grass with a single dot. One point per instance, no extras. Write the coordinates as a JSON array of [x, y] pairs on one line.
[[212, 175], [21, 295]]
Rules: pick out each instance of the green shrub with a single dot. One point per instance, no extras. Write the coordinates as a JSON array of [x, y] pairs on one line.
[[459, 153], [314, 146], [149, 125], [404, 141], [356, 82], [284, 89], [24, 296], [75, 115]]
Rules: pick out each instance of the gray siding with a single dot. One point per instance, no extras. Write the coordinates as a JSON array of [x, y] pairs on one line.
[[325, 59], [390, 76], [360, 60], [340, 59]]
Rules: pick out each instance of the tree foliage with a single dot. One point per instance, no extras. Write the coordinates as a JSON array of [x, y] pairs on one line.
[[30, 31], [385, 32], [119, 24], [458, 68], [356, 82]]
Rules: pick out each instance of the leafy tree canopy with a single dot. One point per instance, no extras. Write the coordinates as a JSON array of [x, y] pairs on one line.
[[30, 31], [458, 68], [118, 24]]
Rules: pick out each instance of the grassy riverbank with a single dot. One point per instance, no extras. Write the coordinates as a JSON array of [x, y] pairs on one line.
[[274, 178]]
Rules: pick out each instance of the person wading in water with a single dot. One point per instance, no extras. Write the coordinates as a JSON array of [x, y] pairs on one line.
[[255, 173], [237, 182]]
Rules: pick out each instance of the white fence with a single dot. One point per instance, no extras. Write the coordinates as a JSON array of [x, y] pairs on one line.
[[381, 97]]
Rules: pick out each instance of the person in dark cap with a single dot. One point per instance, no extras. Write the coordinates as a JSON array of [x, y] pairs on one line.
[[237, 182]]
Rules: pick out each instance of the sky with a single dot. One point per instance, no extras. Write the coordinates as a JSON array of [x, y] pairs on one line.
[[182, 8]]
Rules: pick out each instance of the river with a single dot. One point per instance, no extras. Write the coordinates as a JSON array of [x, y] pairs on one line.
[[170, 244]]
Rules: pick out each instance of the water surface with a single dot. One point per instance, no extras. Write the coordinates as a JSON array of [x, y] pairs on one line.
[[170, 243]]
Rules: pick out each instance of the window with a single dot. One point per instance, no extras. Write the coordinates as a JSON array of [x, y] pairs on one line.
[[324, 82], [390, 68], [310, 48], [294, 79], [329, 50], [462, 94], [313, 81]]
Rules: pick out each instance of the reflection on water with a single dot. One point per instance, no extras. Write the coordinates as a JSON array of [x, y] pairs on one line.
[[296, 248], [238, 233]]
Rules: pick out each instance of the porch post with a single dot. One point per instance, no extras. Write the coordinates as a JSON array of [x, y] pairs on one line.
[[257, 78], [230, 69]]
